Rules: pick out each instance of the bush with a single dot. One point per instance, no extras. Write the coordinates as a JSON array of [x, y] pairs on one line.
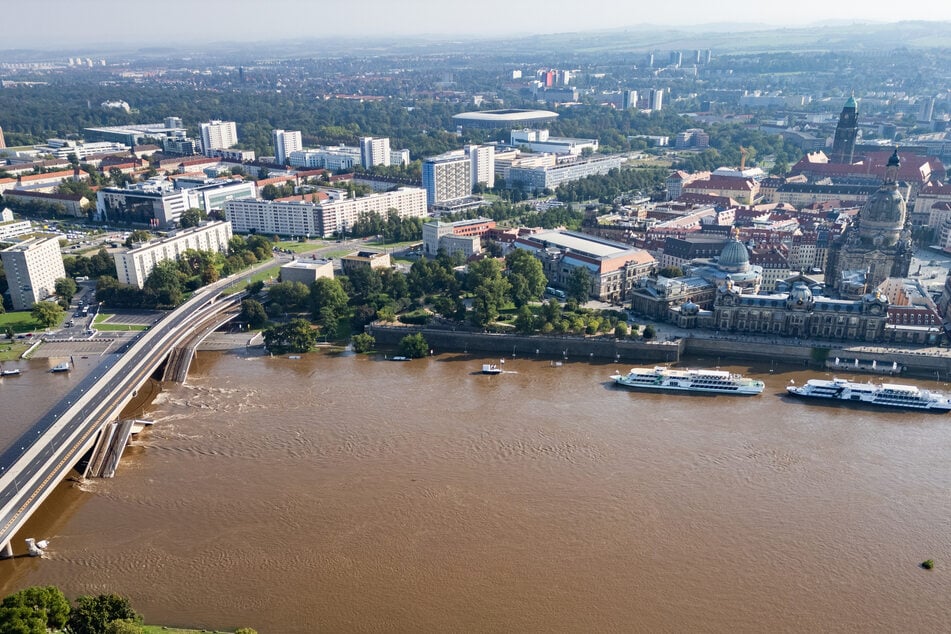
[[927, 564], [417, 317], [362, 342], [414, 346]]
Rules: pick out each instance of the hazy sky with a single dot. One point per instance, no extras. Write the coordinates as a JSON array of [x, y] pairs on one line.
[[51, 23]]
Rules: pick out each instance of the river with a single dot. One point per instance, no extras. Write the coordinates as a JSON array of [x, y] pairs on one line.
[[350, 493]]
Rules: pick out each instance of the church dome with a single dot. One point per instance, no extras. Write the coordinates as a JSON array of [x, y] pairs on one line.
[[882, 218], [734, 257]]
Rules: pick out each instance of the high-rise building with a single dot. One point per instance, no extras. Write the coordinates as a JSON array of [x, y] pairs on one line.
[[374, 151], [447, 177], [650, 60], [218, 135], [628, 99], [482, 165], [676, 58], [3, 142], [32, 268], [285, 142], [656, 99], [843, 144], [925, 110]]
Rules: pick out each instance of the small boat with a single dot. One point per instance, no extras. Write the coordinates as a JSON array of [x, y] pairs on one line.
[[399, 358], [491, 368], [14, 372], [294, 356], [886, 395], [61, 367]]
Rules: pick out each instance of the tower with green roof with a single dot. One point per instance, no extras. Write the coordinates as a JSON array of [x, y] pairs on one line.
[[843, 144]]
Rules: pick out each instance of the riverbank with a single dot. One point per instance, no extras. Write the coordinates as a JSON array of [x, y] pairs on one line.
[[924, 362]]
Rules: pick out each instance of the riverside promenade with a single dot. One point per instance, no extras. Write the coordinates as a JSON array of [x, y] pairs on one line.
[[672, 343]]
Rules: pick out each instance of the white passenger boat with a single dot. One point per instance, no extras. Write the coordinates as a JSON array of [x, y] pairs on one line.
[[876, 394], [700, 381], [61, 367]]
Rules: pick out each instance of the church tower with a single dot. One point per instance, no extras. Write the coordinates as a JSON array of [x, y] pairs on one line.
[[878, 245], [843, 144]]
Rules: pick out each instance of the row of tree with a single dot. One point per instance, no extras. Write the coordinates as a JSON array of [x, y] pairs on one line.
[[43, 609]]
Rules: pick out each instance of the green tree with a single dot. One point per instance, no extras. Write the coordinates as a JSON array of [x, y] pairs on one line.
[[327, 293], [92, 615], [620, 331], [66, 288], [21, 620], [293, 296], [245, 630], [414, 346], [253, 313], [525, 320], [526, 275], [48, 600], [649, 332], [139, 235], [328, 322], [489, 289], [671, 271], [294, 336], [362, 342], [191, 217], [47, 313], [578, 286]]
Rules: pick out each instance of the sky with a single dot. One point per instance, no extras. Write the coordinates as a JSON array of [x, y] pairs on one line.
[[48, 24]]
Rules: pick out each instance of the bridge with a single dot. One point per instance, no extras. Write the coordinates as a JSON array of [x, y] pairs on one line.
[[84, 422]]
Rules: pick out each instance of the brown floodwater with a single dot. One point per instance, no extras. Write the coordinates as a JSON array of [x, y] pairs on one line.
[[352, 493]]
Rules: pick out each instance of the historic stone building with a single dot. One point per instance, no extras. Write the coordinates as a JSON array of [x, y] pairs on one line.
[[877, 246], [799, 313]]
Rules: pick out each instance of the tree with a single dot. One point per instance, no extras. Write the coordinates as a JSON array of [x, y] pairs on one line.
[[579, 284], [489, 289], [46, 600], [526, 276], [245, 630], [191, 217], [253, 313], [649, 332], [139, 235], [293, 296], [294, 336], [362, 342], [327, 293], [92, 615], [620, 331], [414, 346], [525, 320], [22, 620], [671, 271], [66, 288], [47, 313]]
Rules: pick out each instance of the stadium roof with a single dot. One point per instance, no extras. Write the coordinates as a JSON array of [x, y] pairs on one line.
[[507, 118]]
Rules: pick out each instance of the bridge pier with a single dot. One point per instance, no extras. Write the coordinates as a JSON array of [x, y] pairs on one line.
[[7, 551]]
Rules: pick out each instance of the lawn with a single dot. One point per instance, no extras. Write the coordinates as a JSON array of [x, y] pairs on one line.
[[161, 629], [11, 350], [99, 323], [299, 247], [20, 321], [263, 275]]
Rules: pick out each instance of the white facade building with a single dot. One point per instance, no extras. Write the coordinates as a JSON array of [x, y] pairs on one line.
[[324, 219], [374, 151], [482, 165], [134, 266], [218, 135], [447, 177], [285, 142], [32, 268], [540, 141], [341, 157]]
